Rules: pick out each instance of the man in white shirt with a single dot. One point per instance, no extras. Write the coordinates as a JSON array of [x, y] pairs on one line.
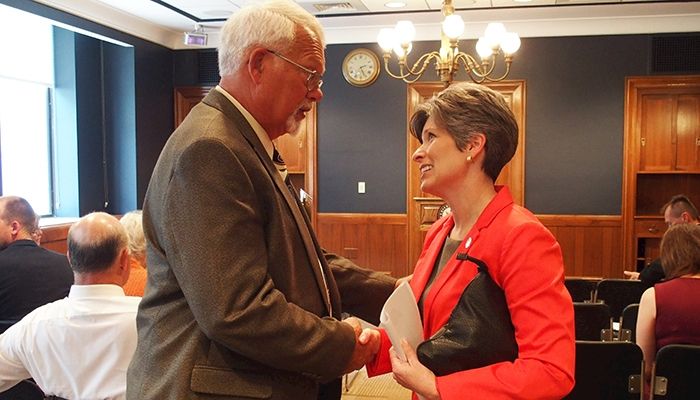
[[79, 347]]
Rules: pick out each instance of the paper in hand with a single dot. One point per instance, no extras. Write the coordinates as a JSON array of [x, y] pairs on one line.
[[401, 320]]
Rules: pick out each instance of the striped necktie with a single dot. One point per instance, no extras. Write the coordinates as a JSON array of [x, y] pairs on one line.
[[279, 163]]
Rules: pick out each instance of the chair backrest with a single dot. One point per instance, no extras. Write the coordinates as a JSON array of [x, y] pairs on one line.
[[677, 372], [590, 319], [607, 371], [25, 390], [618, 294], [581, 289], [628, 323]]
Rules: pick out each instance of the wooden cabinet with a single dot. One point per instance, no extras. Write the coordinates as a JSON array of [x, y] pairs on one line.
[[661, 158], [669, 135], [298, 151]]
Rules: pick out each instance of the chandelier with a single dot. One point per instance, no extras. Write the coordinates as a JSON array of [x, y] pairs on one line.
[[495, 42]]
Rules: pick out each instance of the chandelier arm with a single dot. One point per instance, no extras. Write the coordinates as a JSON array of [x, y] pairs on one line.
[[502, 77], [473, 68], [425, 59]]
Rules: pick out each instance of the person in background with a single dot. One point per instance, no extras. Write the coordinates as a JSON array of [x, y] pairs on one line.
[[30, 275], [241, 301], [133, 224], [467, 134], [668, 312], [79, 347], [678, 210]]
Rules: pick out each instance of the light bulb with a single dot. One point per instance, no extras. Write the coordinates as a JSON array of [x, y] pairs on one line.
[[406, 31], [510, 43], [483, 48], [399, 51], [494, 34], [387, 39], [453, 26]]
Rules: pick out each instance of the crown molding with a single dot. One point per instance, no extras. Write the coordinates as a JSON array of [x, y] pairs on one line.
[[609, 19]]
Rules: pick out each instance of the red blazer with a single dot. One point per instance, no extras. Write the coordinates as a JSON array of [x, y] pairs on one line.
[[525, 260]]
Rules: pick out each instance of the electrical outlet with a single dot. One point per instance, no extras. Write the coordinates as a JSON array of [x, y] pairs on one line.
[[360, 187]]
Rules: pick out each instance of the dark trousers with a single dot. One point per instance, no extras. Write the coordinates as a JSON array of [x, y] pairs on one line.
[[330, 390]]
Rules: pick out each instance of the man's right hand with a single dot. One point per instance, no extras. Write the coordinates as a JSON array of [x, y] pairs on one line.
[[366, 346]]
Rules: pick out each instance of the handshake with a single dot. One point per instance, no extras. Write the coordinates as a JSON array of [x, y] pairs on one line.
[[366, 345]]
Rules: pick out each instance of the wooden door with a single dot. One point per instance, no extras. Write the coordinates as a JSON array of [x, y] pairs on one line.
[[656, 144], [423, 208], [186, 98], [688, 133]]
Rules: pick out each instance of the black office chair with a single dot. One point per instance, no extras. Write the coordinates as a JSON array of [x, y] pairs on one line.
[[618, 294], [607, 371], [590, 319], [580, 289], [628, 323], [6, 323], [25, 390], [676, 375]]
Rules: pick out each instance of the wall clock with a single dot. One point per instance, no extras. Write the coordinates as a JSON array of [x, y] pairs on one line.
[[361, 67]]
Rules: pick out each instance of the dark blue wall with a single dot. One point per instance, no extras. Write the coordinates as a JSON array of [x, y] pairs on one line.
[[574, 126]]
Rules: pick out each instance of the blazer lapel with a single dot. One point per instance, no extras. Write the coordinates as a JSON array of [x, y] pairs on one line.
[[220, 102]]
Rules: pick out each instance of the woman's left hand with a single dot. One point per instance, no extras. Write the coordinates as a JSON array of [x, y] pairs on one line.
[[413, 375]]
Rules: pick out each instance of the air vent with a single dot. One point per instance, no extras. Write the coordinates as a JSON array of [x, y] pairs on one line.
[[675, 54], [321, 7], [208, 63]]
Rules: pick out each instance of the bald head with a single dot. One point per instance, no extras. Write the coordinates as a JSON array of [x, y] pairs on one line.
[[95, 243]]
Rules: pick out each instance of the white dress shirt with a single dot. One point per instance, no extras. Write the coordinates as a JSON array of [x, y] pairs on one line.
[[78, 347]]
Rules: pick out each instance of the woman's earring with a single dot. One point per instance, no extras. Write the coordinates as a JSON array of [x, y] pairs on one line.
[[469, 158]]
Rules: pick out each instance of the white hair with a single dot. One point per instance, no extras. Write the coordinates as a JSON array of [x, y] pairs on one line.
[[270, 24]]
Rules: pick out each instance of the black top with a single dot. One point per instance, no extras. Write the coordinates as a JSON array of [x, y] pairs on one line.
[[652, 274], [31, 276]]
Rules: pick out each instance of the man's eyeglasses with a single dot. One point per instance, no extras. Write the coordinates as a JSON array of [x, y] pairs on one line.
[[313, 81]]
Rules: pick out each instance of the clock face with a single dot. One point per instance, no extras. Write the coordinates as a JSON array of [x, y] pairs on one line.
[[361, 67]]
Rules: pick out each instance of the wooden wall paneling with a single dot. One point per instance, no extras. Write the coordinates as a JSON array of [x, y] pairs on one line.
[[591, 244], [377, 241], [54, 237]]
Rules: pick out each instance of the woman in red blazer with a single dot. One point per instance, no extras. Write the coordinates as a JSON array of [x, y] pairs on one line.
[[467, 134]]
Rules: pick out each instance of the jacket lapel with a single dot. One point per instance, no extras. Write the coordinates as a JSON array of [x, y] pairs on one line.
[[220, 102]]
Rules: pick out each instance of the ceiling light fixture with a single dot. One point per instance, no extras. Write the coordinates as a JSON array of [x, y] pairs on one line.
[[496, 41], [197, 37]]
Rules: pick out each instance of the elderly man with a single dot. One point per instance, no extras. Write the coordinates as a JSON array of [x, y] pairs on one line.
[[30, 276], [241, 302], [80, 347]]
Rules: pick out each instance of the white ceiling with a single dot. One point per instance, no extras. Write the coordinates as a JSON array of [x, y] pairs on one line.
[[359, 21]]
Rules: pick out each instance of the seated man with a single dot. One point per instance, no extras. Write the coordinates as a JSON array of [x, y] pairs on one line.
[[678, 210], [80, 347], [30, 276]]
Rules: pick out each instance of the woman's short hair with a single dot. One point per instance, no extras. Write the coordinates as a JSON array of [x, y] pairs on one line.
[[680, 250], [133, 224], [466, 109], [272, 24]]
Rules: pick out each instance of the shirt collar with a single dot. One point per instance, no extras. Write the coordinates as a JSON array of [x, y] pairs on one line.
[[257, 128], [105, 290]]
